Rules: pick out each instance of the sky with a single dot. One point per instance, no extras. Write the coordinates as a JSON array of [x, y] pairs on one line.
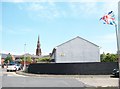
[[55, 23]]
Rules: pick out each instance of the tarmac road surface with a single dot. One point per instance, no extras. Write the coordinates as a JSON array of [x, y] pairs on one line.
[[10, 81]]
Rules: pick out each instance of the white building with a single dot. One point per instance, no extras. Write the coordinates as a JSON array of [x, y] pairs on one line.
[[76, 50]]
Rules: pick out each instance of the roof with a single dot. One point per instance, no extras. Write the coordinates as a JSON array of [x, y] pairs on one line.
[[4, 56], [76, 38], [27, 54]]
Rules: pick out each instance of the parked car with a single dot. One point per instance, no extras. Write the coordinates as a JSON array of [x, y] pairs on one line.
[[116, 72], [18, 66], [13, 67]]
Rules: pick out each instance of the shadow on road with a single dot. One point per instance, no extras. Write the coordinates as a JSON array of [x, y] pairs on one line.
[[112, 76]]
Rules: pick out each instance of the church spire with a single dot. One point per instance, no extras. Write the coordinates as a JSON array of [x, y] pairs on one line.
[[38, 50], [38, 39]]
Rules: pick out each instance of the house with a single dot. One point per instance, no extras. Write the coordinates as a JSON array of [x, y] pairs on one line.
[[3, 56], [76, 50], [33, 57]]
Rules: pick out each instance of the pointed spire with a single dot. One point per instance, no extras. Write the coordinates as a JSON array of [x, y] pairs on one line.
[[38, 50], [38, 39]]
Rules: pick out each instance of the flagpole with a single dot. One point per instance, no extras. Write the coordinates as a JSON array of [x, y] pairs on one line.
[[118, 46]]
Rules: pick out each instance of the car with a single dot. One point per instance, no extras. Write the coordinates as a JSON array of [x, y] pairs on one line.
[[116, 72], [13, 67], [18, 66]]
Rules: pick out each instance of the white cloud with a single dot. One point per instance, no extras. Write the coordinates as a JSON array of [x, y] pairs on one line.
[[60, 0], [19, 1], [50, 10], [111, 6], [91, 0], [15, 1], [83, 9], [93, 8], [40, 10], [35, 7]]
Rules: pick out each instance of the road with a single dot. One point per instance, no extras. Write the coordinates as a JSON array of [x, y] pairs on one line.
[[11, 79]]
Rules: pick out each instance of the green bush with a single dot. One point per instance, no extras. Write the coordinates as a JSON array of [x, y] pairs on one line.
[[109, 57], [44, 59], [27, 58]]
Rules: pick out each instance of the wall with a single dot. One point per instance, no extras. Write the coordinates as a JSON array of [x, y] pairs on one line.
[[77, 50], [97, 68]]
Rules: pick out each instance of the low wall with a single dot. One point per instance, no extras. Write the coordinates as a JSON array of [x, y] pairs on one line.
[[94, 68]]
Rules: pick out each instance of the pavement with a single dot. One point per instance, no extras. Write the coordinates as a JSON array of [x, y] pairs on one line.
[[100, 82], [91, 80]]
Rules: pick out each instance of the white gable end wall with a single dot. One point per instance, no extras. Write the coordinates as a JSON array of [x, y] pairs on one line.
[[77, 50]]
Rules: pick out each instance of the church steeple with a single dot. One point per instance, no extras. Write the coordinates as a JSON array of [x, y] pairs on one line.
[[38, 50]]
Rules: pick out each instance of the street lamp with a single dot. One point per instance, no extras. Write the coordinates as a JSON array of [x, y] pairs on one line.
[[24, 58]]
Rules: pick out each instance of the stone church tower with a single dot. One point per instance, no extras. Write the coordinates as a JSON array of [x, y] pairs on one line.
[[38, 50]]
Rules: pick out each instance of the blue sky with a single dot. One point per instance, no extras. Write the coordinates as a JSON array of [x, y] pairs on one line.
[[55, 23]]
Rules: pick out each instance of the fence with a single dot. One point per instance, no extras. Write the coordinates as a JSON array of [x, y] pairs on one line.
[[94, 68]]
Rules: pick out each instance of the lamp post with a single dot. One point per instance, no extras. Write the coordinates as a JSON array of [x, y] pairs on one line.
[[24, 58]]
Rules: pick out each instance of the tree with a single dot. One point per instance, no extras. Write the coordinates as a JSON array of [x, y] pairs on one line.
[[8, 59], [109, 57], [26, 58], [22, 58], [102, 56], [43, 59]]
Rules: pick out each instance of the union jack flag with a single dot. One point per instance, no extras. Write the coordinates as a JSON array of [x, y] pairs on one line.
[[109, 18]]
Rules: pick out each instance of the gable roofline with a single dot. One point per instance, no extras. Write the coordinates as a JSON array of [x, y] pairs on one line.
[[71, 40], [79, 38], [53, 51]]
